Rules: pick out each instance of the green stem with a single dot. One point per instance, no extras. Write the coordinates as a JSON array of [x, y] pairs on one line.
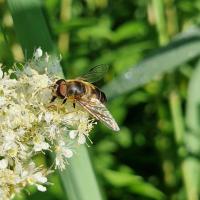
[[160, 21], [65, 15], [188, 163], [171, 15], [177, 117]]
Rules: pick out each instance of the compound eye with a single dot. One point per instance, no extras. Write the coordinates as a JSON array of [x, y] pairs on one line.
[[61, 88], [58, 82]]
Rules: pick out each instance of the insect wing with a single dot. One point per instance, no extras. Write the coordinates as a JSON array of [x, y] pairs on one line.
[[95, 74], [100, 112]]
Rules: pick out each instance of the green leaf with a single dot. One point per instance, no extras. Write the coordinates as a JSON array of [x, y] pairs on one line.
[[74, 24], [129, 30], [191, 164], [31, 29], [78, 180], [30, 25], [182, 49], [133, 183], [100, 30]]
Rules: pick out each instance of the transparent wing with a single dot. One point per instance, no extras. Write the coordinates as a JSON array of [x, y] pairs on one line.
[[99, 111], [95, 74]]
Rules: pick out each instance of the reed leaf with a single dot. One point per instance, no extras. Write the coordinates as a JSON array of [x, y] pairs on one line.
[[166, 59], [191, 163]]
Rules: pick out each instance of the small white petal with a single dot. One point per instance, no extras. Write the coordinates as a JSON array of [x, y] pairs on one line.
[[57, 160], [61, 143], [28, 71], [38, 53], [40, 178], [1, 73], [40, 117], [73, 134], [20, 131], [2, 101], [3, 163], [68, 153], [41, 188], [24, 173], [48, 117], [81, 139], [45, 145], [41, 146], [46, 57]]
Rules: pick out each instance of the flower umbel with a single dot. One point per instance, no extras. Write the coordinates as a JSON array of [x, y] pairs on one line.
[[31, 126]]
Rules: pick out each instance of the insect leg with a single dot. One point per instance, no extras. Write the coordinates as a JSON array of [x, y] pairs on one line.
[[64, 101], [53, 99], [74, 104]]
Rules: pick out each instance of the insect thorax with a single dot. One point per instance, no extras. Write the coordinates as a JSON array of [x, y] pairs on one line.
[[75, 88]]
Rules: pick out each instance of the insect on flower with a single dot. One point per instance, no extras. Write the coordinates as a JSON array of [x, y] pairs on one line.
[[81, 90]]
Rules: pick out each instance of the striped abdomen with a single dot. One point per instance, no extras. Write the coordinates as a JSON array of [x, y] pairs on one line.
[[94, 92]]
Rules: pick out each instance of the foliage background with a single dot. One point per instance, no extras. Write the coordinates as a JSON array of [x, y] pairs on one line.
[[153, 90]]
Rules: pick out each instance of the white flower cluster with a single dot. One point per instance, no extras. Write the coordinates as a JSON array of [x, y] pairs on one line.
[[30, 125]]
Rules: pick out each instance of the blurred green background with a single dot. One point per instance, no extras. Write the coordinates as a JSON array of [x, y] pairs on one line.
[[153, 48]]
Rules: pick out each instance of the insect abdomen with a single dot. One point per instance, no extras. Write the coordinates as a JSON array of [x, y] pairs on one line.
[[99, 95]]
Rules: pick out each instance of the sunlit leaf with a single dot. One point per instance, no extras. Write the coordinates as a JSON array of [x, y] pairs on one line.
[[133, 183], [191, 163], [164, 60]]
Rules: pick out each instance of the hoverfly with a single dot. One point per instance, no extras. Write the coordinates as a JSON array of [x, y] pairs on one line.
[[81, 90]]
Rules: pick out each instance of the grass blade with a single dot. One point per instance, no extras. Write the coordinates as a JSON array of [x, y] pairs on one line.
[[133, 183], [160, 21], [79, 180], [29, 23], [31, 28], [166, 59], [191, 163]]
